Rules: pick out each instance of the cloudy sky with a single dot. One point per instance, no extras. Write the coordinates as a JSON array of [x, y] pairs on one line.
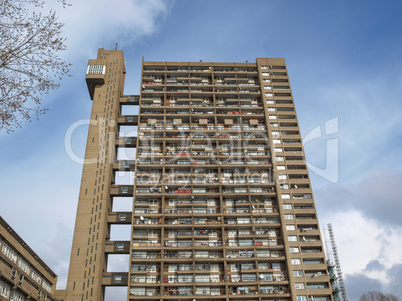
[[345, 68]]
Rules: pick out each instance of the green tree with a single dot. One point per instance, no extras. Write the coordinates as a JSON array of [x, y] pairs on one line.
[[30, 65]]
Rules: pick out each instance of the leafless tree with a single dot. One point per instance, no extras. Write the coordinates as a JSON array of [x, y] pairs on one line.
[[30, 65], [378, 296]]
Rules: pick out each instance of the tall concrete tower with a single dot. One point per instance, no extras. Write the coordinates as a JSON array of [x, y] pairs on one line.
[[222, 206]]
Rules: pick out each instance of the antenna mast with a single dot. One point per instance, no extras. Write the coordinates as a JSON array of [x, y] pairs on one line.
[[337, 266]]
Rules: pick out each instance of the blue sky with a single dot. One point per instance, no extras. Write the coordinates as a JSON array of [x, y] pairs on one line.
[[344, 62]]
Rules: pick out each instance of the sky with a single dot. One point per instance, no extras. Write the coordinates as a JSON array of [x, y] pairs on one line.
[[344, 63]]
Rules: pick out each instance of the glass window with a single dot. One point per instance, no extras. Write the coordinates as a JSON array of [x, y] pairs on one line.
[[289, 216], [294, 250], [299, 285], [301, 298], [290, 227], [298, 273], [24, 265], [9, 252], [292, 238], [287, 206], [296, 261], [4, 289]]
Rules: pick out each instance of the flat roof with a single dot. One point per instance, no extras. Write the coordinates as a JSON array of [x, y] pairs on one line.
[[25, 245]]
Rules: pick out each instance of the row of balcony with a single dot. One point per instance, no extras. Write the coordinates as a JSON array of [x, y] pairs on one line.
[[223, 160], [282, 291]]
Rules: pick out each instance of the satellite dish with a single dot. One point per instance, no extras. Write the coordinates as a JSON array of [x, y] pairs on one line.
[[192, 197], [166, 187], [141, 218], [261, 276]]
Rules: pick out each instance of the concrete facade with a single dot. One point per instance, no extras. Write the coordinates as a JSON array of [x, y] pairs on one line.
[[222, 205], [23, 275]]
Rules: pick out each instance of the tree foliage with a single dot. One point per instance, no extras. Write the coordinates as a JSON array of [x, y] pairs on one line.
[[378, 296], [30, 65]]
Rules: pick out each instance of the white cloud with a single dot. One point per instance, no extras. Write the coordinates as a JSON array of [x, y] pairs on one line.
[[44, 181], [361, 242], [94, 23]]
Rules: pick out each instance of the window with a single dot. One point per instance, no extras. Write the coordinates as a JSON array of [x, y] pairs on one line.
[[46, 285], [282, 177], [263, 253], [267, 88], [172, 278], [294, 250], [298, 273], [279, 158], [185, 278], [276, 141], [23, 265], [292, 238], [272, 117], [4, 289], [288, 216], [299, 285], [35, 275], [312, 261], [277, 149], [96, 69], [137, 291], [287, 206], [290, 227], [280, 167], [296, 261], [301, 298], [202, 291], [249, 277], [318, 298], [285, 196], [265, 74], [18, 296], [264, 67], [152, 233], [9, 252], [317, 285]]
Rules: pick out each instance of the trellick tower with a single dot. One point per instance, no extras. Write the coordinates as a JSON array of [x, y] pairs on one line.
[[222, 206]]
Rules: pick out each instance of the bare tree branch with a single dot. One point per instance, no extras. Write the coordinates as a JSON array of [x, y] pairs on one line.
[[378, 296], [30, 44]]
